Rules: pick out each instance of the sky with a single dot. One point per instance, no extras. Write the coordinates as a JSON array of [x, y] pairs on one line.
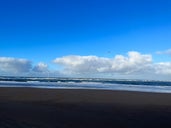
[[123, 39]]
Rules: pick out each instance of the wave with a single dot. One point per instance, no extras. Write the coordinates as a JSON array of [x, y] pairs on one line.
[[87, 83]]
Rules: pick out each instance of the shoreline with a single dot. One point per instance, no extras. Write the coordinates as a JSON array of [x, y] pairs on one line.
[[85, 95], [82, 108]]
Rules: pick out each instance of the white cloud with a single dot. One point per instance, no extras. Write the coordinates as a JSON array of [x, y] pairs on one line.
[[134, 62], [17, 66], [167, 52], [133, 65], [41, 67], [83, 64], [163, 68], [24, 67], [13, 66]]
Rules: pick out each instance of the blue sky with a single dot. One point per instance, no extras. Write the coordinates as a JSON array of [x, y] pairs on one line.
[[48, 33]]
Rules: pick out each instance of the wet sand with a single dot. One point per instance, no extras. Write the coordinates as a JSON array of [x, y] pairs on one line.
[[76, 108]]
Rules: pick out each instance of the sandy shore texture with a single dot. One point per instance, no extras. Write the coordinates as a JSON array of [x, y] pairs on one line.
[[76, 108]]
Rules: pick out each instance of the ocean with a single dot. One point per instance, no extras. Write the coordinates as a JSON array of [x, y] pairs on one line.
[[87, 83]]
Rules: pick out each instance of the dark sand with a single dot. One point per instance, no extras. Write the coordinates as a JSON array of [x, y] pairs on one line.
[[62, 108]]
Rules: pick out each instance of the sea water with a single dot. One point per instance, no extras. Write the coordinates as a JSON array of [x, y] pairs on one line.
[[87, 83]]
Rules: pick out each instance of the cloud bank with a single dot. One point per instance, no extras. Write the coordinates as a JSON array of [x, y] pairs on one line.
[[134, 62], [41, 67], [18, 66], [14, 66], [133, 65]]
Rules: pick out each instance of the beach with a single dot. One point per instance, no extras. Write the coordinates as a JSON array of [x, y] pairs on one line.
[[22, 107]]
